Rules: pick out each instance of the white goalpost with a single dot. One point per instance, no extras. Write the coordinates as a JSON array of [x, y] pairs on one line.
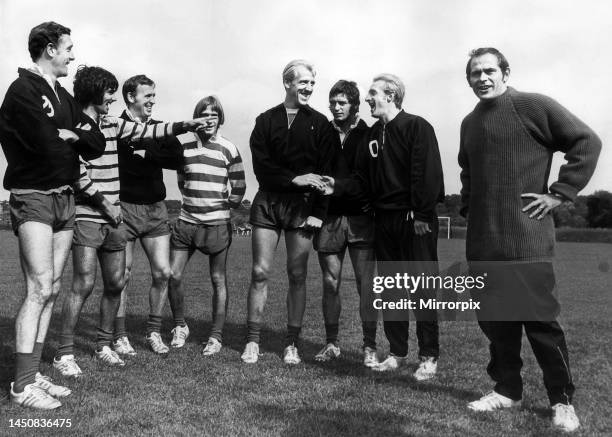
[[448, 225]]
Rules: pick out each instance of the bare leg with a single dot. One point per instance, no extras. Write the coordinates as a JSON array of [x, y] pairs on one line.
[[61, 248], [83, 278], [36, 257], [129, 259], [112, 267], [218, 279], [298, 248], [264, 245], [158, 252], [331, 268], [178, 261]]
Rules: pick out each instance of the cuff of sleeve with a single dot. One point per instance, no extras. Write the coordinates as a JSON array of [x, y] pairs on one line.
[[566, 191], [178, 129], [97, 198], [423, 216]]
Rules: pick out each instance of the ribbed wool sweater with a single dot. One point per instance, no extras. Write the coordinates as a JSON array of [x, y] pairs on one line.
[[506, 150]]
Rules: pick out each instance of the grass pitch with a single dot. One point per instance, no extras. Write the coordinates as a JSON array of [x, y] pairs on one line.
[[188, 394]]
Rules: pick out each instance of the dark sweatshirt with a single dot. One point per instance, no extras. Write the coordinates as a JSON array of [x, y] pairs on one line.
[[506, 150], [346, 162], [400, 168], [142, 179], [281, 153], [30, 116]]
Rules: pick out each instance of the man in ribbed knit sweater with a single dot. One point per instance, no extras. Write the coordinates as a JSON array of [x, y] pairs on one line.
[[506, 148]]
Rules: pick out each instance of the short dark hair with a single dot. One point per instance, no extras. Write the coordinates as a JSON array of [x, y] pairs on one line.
[[501, 59], [90, 84], [45, 33], [130, 85], [349, 89], [210, 101]]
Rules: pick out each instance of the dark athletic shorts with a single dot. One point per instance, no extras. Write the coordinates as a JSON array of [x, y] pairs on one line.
[[100, 236], [338, 232], [55, 210], [208, 239], [285, 211], [145, 221]]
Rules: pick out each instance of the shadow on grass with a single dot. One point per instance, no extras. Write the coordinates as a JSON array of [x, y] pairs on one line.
[[320, 421]]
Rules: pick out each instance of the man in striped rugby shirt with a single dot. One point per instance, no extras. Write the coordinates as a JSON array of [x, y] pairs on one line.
[[210, 162], [99, 232]]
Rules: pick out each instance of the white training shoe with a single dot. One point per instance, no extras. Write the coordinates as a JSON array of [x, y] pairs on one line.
[[493, 401], [33, 396], [391, 363], [46, 383], [123, 347], [329, 352], [180, 334], [213, 346], [109, 357], [67, 366], [156, 343], [564, 418], [251, 353], [427, 369], [291, 356], [370, 359]]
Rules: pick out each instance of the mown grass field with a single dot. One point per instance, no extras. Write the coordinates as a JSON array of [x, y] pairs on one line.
[[187, 394]]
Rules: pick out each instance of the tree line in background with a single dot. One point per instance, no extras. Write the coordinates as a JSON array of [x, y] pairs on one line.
[[592, 211]]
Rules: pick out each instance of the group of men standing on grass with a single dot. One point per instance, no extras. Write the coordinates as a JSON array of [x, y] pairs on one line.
[[336, 185]]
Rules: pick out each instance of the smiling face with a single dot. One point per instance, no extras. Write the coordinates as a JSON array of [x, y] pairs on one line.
[[107, 100], [61, 55], [300, 88], [486, 79], [141, 101], [380, 103]]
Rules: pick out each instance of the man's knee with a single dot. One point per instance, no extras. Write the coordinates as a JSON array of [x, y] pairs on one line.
[[40, 287], [260, 273], [115, 284], [161, 275], [296, 274], [330, 283], [218, 279]]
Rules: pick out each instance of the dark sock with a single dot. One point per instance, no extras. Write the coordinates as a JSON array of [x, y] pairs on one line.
[[179, 321], [66, 345], [36, 356], [154, 324], [369, 334], [331, 333], [103, 338], [217, 327], [120, 330], [253, 331], [24, 371], [293, 335]]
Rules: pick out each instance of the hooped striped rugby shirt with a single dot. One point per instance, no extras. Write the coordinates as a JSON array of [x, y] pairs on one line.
[[101, 175], [203, 179]]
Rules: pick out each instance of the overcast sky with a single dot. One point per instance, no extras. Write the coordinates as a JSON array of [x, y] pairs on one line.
[[237, 50]]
